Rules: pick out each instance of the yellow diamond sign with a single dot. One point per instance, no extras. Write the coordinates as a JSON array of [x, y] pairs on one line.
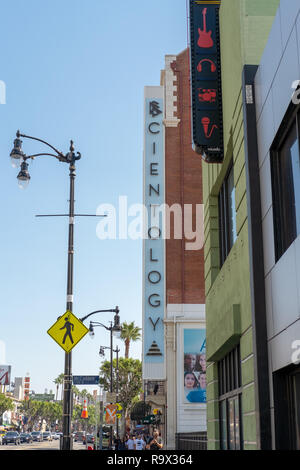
[[67, 331]]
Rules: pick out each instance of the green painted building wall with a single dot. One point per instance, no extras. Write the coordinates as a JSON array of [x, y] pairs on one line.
[[244, 26]]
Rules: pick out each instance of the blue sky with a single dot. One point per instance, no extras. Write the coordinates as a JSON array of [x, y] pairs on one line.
[[74, 70]]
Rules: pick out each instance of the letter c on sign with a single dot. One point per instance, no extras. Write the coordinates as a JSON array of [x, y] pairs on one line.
[[150, 127], [157, 302]]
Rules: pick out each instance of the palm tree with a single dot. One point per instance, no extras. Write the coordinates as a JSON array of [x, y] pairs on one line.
[[58, 381], [129, 333], [76, 393], [83, 394]]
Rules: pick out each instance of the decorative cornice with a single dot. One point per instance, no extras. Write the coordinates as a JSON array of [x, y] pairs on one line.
[[171, 122]]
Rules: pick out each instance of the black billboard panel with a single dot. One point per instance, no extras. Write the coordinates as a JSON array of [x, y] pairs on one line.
[[207, 125]]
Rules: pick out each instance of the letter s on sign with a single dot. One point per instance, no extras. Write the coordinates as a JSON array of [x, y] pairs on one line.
[[296, 354]]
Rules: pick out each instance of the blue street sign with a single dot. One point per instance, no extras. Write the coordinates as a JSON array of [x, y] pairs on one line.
[[85, 379]]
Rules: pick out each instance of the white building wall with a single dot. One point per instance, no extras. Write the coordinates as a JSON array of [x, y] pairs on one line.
[[181, 417], [279, 68], [19, 388]]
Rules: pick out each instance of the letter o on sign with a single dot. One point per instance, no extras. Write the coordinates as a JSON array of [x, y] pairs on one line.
[[157, 235], [156, 275]]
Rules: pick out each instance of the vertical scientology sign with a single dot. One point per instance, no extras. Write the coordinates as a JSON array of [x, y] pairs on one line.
[[154, 246]]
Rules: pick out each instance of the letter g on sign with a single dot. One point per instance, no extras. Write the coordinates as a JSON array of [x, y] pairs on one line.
[[156, 302]]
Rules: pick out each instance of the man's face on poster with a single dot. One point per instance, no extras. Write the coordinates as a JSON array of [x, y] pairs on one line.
[[190, 361], [202, 381]]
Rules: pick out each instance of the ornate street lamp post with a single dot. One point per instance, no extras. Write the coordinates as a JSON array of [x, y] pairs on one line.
[[18, 156], [115, 330]]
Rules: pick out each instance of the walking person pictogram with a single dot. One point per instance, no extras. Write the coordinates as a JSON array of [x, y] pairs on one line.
[[67, 331], [69, 327]]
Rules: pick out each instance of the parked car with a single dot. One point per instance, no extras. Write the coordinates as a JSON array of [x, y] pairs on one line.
[[11, 436], [56, 435], [79, 436], [37, 436], [105, 440], [89, 439], [47, 436], [26, 437]]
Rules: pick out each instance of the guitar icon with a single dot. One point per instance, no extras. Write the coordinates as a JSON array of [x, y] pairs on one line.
[[205, 39]]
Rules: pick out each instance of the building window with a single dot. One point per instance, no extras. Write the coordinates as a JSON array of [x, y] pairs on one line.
[[285, 160], [286, 385], [293, 384], [230, 401], [227, 216]]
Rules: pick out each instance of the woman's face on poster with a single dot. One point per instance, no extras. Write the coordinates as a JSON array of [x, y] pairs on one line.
[[189, 381], [202, 362]]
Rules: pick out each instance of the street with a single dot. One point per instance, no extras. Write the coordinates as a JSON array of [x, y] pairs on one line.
[[45, 445]]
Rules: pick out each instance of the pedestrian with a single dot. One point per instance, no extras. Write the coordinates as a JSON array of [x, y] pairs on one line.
[[147, 439], [122, 445], [156, 442], [140, 443], [130, 444], [117, 443]]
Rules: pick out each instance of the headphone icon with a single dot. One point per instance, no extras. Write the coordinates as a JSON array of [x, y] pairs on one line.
[[213, 67]]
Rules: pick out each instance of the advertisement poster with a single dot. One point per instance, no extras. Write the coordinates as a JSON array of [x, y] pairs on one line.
[[5, 375], [194, 366]]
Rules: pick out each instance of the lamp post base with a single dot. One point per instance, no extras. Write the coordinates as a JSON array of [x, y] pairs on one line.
[[66, 443]]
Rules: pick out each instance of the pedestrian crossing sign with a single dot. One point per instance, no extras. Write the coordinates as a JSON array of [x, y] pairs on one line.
[[67, 331]]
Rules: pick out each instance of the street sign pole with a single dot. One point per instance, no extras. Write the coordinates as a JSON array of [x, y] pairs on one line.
[[101, 426], [111, 381], [67, 405]]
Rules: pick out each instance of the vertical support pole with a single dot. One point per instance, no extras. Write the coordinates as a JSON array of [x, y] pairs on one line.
[[67, 403], [117, 386], [101, 424], [111, 378]]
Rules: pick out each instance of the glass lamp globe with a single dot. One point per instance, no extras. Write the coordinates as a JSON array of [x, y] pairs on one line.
[[17, 153], [23, 176], [116, 333]]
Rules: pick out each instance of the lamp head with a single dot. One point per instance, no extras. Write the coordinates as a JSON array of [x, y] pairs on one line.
[[17, 153], [23, 176], [91, 331], [116, 329]]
